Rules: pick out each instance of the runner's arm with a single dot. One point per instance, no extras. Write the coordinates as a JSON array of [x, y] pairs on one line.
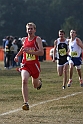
[[18, 54], [54, 51], [79, 43]]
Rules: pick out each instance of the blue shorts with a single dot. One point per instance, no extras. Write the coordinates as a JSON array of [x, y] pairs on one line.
[[76, 61]]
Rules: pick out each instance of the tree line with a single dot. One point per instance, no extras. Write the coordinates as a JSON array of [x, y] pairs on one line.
[[48, 15]]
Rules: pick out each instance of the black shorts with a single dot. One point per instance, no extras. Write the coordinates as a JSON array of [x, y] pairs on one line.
[[62, 61]]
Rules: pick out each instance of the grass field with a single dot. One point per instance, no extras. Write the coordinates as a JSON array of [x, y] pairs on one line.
[[50, 105]]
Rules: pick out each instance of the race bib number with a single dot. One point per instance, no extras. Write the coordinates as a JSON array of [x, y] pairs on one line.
[[62, 52], [30, 57], [74, 54]]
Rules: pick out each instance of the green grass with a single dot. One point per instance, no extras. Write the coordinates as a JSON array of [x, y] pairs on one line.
[[67, 110]]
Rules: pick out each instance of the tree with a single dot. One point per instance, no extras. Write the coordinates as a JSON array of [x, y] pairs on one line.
[[71, 23], [48, 15]]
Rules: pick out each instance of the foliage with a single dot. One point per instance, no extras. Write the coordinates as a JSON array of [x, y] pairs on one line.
[[48, 15], [70, 23]]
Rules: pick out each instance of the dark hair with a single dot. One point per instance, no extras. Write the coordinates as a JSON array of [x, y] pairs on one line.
[[62, 31], [7, 37]]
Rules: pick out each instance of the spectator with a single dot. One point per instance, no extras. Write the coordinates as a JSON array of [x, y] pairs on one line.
[[9, 52], [19, 44], [44, 43], [15, 50], [4, 41], [51, 53]]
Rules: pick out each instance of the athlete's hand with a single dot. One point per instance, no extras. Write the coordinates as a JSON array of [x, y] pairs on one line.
[[16, 59], [53, 60]]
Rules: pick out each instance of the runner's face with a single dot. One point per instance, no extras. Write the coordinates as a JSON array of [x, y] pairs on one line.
[[30, 30], [72, 33], [61, 35]]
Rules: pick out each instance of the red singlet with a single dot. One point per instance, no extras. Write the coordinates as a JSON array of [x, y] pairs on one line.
[[31, 63]]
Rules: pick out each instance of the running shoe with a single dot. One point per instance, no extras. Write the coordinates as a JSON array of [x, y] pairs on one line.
[[25, 106], [69, 83], [63, 87], [38, 88], [81, 83]]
